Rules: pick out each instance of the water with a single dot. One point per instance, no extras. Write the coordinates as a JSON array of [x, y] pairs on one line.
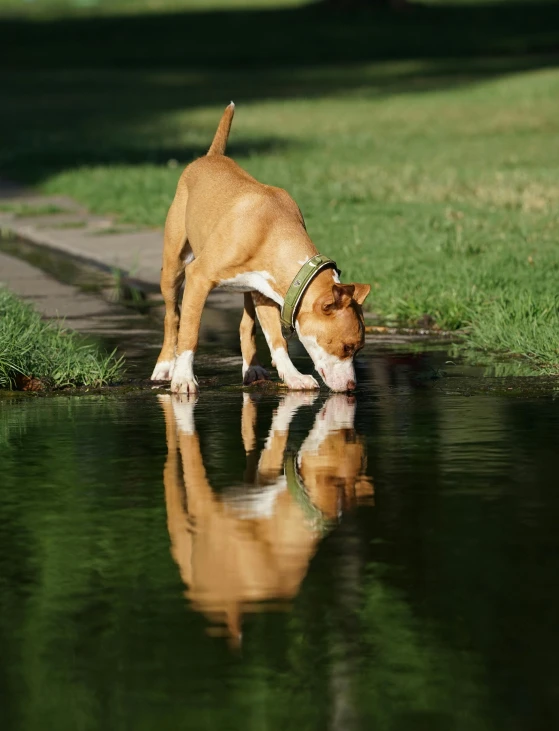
[[279, 561]]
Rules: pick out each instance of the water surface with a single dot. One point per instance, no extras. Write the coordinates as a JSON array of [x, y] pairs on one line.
[[283, 561]]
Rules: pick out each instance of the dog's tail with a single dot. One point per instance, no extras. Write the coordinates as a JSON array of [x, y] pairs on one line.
[[220, 140]]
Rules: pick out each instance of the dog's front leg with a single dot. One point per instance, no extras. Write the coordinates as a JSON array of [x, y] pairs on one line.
[[196, 291], [252, 370], [269, 317]]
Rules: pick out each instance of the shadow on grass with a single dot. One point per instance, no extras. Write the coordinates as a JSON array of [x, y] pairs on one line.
[[104, 90], [31, 167], [305, 35]]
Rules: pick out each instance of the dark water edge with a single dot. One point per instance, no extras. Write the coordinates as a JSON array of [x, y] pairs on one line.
[[281, 561]]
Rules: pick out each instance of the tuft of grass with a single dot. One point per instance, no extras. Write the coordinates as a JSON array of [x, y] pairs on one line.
[[31, 348], [524, 323]]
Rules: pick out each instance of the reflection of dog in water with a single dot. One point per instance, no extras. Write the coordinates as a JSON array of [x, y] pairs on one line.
[[254, 544]]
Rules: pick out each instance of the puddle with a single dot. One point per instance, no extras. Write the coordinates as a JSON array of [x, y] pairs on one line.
[[277, 561]]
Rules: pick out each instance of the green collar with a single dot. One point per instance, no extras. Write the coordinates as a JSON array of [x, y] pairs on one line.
[[297, 489], [297, 288]]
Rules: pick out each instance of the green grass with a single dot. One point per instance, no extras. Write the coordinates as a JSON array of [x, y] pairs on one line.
[[34, 349], [422, 147]]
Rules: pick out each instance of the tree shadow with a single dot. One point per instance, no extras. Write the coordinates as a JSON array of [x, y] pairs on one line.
[[105, 90], [305, 35]]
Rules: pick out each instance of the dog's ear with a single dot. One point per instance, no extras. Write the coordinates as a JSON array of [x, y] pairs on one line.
[[341, 294], [361, 292]]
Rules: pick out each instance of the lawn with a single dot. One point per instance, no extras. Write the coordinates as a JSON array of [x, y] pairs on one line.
[[421, 147], [36, 355]]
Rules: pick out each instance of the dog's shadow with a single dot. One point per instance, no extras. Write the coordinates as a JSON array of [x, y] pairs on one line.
[[239, 550]]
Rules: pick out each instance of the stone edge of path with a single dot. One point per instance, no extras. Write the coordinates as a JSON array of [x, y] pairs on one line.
[[47, 231], [101, 242]]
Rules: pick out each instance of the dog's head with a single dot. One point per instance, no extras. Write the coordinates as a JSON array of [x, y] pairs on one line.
[[333, 331]]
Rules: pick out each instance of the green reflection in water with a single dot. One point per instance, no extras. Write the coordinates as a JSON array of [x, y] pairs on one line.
[[401, 613]]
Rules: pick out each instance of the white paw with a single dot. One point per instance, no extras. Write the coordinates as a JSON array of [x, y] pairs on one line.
[[163, 370], [300, 382], [183, 380], [184, 385], [255, 373]]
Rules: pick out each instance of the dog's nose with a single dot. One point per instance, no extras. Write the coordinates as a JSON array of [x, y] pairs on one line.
[[351, 385]]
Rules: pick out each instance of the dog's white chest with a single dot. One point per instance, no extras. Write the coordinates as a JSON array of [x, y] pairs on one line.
[[251, 281]]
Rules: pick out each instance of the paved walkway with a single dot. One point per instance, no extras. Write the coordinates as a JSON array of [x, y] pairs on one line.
[[53, 299], [62, 225]]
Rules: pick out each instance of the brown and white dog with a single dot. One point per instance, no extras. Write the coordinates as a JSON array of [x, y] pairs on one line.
[[225, 229]]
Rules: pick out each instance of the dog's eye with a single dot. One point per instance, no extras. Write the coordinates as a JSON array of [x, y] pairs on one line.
[[348, 349]]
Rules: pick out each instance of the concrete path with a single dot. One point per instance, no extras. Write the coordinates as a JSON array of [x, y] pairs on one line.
[[62, 225], [54, 300]]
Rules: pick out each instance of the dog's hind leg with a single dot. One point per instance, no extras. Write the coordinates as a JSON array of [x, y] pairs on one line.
[[269, 317], [252, 370], [176, 255], [197, 288]]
